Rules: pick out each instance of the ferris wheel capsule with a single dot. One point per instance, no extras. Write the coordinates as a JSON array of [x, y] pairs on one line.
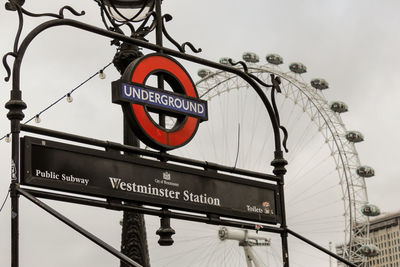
[[354, 137], [370, 210], [298, 68], [319, 84], [250, 57], [274, 59], [224, 61], [365, 171], [339, 107], [369, 250], [203, 73]]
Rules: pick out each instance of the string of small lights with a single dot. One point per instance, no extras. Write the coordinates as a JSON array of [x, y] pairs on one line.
[[5, 200], [68, 96]]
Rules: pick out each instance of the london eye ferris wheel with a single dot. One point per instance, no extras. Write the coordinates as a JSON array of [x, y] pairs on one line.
[[327, 198]]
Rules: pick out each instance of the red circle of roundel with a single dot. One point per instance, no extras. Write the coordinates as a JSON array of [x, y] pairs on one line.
[[150, 132]]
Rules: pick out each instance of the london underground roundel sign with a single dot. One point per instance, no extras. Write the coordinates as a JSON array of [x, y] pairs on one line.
[[138, 100]]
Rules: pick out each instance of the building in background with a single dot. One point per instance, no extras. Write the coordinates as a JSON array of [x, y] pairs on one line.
[[385, 234]]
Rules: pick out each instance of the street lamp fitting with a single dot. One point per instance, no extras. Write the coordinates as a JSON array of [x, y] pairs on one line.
[[129, 10]]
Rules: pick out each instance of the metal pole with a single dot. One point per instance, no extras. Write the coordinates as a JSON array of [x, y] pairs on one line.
[[134, 240], [279, 164], [14, 227], [161, 117], [133, 236], [14, 202], [15, 115], [320, 248], [159, 24], [284, 233], [159, 41]]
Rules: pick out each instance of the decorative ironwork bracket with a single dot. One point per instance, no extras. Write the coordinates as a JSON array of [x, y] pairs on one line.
[[118, 36], [275, 88], [144, 29], [181, 48], [16, 5]]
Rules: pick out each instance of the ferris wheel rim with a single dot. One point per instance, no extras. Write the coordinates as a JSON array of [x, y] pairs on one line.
[[350, 216]]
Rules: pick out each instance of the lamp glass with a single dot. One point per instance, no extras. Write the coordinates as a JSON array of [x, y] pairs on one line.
[[131, 10]]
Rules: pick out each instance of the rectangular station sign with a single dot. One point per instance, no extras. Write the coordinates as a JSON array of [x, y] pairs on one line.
[[109, 174]]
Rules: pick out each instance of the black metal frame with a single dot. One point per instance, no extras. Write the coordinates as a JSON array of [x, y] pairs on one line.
[[16, 106]]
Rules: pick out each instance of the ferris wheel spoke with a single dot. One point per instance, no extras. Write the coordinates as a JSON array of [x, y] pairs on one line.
[[319, 223], [210, 256], [172, 258], [297, 178], [295, 120], [311, 196], [302, 143], [259, 256], [317, 220], [234, 256], [254, 126], [305, 212], [276, 256], [310, 188], [290, 117], [321, 258], [224, 126]]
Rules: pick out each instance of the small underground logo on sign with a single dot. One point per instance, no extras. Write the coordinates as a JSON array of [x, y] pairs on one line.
[[166, 176], [267, 207], [139, 100]]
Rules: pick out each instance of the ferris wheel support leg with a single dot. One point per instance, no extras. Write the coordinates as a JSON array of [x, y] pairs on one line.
[[250, 253], [248, 256]]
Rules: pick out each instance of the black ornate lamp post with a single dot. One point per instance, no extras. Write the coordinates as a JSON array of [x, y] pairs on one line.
[[119, 13]]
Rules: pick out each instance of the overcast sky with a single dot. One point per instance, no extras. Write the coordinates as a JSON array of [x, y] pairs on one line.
[[353, 44]]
